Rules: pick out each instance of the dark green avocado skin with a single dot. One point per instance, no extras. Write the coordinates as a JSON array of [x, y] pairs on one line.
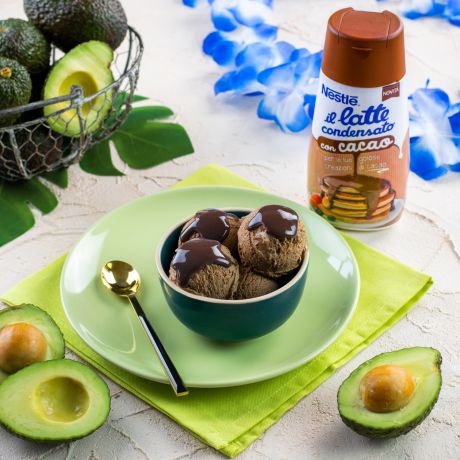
[[22, 41], [68, 23], [15, 90], [376, 433], [380, 433]]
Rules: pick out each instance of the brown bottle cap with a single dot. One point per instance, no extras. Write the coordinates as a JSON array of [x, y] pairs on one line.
[[364, 49]]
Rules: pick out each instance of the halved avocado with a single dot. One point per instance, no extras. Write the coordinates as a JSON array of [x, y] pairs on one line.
[[56, 400], [88, 66], [392, 393], [27, 335]]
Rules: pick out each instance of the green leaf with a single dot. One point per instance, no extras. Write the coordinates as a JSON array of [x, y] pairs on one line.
[[150, 144], [124, 96], [141, 142], [98, 161], [15, 214], [138, 98], [59, 177]]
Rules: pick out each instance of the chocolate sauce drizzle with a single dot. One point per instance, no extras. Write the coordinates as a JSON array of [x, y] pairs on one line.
[[209, 223], [280, 221], [194, 255]]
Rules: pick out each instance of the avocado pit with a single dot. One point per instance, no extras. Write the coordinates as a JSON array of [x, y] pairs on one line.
[[387, 388], [61, 399], [87, 83], [21, 344]]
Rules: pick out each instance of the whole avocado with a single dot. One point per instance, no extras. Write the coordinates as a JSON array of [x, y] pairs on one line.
[[15, 87], [22, 41], [69, 23]]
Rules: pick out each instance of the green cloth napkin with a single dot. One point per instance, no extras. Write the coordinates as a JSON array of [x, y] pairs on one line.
[[230, 419]]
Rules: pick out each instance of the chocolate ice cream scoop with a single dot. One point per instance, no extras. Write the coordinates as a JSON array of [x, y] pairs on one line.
[[272, 241], [279, 221], [252, 284], [213, 224], [205, 267]]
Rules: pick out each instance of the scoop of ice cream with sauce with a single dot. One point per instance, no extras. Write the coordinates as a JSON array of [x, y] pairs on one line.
[[272, 241], [205, 267], [213, 224], [252, 284]]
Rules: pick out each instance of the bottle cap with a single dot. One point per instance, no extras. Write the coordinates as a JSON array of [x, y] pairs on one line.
[[364, 49]]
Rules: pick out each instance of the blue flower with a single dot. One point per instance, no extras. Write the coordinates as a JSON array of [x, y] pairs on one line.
[[192, 3], [249, 63], [223, 47], [435, 131], [291, 90], [452, 12], [227, 15], [414, 9]]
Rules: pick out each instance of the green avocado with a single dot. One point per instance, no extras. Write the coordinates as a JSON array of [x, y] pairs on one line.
[[392, 393], [27, 335], [57, 400], [22, 41], [15, 87], [69, 23], [88, 66]]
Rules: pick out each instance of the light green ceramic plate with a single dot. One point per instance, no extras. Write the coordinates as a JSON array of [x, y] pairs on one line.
[[109, 326]]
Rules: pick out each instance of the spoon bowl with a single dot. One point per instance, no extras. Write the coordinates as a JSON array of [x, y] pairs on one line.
[[121, 278]]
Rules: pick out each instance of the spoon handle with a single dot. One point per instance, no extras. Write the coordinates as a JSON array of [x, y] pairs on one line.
[[173, 375]]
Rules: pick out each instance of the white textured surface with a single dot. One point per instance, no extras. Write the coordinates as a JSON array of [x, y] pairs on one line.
[[176, 74]]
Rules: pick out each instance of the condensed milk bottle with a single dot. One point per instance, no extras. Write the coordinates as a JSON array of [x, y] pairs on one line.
[[359, 155]]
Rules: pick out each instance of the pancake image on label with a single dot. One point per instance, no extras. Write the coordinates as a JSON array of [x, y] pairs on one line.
[[357, 198]]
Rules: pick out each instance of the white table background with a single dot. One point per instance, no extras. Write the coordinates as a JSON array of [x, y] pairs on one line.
[[176, 73]]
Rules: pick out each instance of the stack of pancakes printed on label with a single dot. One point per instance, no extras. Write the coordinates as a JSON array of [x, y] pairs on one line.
[[357, 198]]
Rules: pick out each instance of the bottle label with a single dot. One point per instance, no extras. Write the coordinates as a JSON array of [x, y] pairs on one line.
[[358, 160]]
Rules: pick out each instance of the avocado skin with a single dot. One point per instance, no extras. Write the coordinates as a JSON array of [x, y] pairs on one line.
[[380, 433], [69, 23], [32, 437], [22, 41], [15, 90]]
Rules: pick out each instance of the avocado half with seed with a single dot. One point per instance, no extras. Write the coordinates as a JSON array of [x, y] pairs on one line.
[[392, 393], [27, 335], [87, 66], [57, 400]]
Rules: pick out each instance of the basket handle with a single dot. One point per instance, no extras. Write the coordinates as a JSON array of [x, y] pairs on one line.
[[75, 95]]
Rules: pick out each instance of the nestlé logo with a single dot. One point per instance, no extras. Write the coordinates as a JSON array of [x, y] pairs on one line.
[[338, 96]]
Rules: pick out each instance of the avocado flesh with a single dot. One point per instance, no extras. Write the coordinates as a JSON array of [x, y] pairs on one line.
[[57, 400], [87, 66], [35, 316], [423, 364], [69, 23]]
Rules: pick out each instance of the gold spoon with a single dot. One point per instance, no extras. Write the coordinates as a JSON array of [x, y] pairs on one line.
[[122, 279]]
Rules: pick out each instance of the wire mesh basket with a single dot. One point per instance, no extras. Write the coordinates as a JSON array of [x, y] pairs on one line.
[[31, 147]]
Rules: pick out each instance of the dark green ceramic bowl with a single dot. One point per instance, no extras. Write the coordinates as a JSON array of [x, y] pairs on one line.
[[229, 320]]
